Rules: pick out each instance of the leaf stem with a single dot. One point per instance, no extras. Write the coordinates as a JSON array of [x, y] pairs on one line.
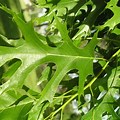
[[105, 66], [64, 105]]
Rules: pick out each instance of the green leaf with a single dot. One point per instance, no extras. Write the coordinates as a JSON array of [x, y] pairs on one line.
[[12, 69], [15, 112], [112, 22], [30, 94], [108, 102], [33, 53]]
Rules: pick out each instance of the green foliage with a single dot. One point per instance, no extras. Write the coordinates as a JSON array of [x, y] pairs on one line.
[[37, 71]]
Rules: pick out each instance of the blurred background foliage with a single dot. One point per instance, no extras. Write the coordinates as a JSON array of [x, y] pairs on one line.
[[75, 16]]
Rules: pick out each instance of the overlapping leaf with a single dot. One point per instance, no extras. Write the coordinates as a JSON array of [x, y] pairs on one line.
[[109, 101], [112, 22]]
